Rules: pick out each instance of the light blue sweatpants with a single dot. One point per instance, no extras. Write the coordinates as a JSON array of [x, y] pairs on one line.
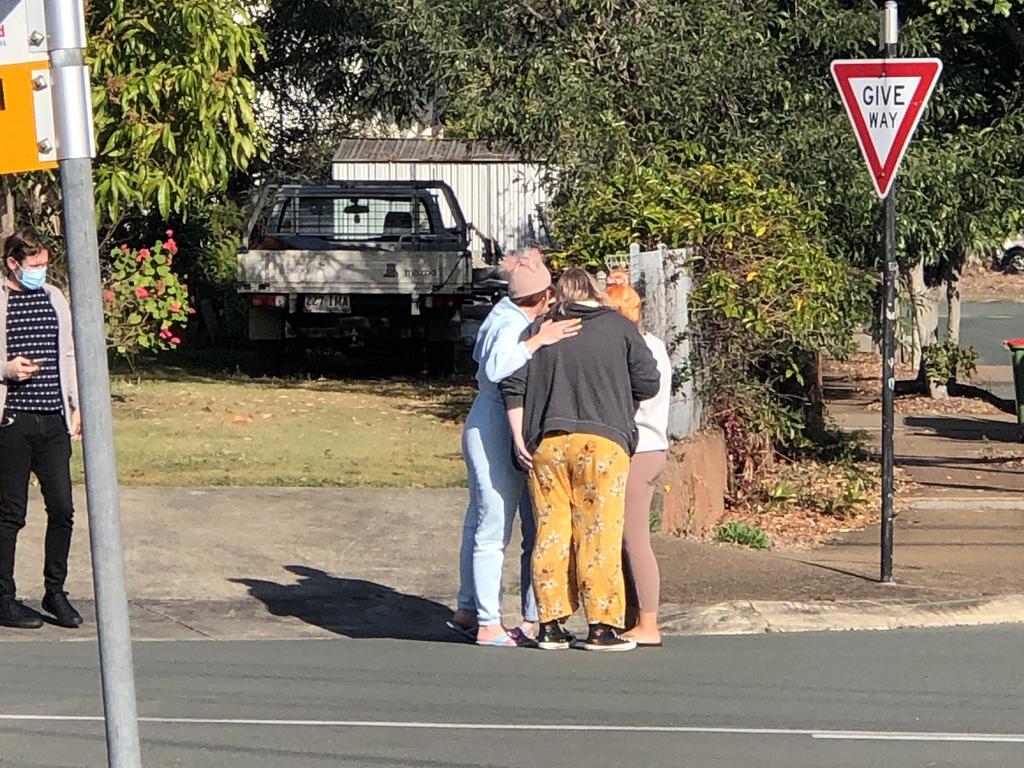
[[496, 490]]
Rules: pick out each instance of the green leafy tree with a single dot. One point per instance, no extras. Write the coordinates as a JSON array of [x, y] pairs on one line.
[[338, 67], [174, 105], [174, 99]]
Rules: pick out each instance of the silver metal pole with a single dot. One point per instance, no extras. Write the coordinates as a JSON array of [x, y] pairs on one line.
[[890, 44], [65, 22]]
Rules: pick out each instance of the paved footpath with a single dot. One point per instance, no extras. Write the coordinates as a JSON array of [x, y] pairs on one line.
[[247, 563]]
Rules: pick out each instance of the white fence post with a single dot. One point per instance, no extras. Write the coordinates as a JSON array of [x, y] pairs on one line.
[[663, 280]]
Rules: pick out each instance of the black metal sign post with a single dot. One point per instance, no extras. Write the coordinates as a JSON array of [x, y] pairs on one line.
[[890, 50], [884, 99]]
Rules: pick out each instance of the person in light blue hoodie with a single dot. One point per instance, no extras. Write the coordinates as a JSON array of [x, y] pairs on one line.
[[497, 487]]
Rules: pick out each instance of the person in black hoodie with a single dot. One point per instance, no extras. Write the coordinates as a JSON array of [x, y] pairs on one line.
[[571, 409]]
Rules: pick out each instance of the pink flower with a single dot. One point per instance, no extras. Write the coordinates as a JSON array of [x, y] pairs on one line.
[[171, 247], [169, 233], [144, 253], [139, 259], [141, 293], [175, 307], [108, 295], [175, 340], [125, 248], [166, 333]]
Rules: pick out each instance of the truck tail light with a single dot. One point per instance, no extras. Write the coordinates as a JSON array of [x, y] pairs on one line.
[[269, 300], [441, 300]]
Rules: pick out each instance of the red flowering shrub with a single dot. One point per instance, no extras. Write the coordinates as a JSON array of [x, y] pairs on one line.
[[145, 303]]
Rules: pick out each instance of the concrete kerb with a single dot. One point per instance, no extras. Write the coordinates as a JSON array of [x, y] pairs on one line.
[[243, 620], [757, 616]]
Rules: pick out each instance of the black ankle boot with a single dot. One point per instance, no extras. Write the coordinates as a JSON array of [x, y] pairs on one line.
[[15, 614], [57, 604]]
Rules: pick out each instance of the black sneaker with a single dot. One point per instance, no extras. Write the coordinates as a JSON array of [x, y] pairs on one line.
[[14, 614], [604, 638], [57, 603], [552, 637]]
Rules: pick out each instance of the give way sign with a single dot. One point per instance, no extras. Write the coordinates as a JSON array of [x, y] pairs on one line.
[[885, 99]]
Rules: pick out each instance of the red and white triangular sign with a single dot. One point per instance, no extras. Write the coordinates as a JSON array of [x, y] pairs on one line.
[[885, 99]]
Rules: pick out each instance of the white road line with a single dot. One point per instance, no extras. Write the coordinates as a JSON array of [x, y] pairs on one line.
[[979, 738], [1004, 738]]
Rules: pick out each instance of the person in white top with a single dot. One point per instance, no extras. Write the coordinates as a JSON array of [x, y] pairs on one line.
[[645, 467]]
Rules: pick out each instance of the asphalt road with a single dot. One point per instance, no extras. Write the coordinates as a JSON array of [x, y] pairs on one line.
[[985, 325], [939, 698]]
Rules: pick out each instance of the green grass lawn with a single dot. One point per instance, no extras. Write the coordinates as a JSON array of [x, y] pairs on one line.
[[236, 431]]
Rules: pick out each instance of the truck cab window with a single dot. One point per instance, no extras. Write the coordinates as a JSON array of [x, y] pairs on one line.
[[281, 217]]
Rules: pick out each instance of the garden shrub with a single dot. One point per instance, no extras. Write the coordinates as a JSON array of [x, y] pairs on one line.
[[767, 298], [145, 303]]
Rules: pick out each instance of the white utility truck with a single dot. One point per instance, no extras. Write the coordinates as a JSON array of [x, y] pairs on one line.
[[359, 264]]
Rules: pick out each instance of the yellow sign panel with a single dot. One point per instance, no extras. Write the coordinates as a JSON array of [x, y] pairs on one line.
[[23, 105]]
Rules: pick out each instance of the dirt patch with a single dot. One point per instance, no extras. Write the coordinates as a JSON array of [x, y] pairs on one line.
[[861, 376], [803, 504], [918, 405], [862, 373], [980, 283], [794, 528]]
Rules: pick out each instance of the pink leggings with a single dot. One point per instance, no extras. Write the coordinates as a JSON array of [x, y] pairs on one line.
[[642, 571]]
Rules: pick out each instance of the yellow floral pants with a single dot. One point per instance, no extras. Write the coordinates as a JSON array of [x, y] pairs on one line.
[[578, 484]]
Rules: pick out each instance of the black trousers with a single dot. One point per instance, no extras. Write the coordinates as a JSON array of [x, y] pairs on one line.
[[35, 443]]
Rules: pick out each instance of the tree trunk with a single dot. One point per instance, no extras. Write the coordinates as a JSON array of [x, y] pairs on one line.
[[953, 306], [925, 301], [954, 267], [814, 388], [925, 310]]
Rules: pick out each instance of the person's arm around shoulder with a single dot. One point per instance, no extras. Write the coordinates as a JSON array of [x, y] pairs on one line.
[[504, 351], [644, 377], [508, 352]]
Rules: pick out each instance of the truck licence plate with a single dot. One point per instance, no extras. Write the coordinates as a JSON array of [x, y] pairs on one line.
[[332, 302]]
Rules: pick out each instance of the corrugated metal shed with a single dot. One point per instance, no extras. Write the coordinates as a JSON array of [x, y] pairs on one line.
[[501, 195], [421, 151]]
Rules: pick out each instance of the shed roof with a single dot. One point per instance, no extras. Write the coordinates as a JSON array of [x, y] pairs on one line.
[[422, 151]]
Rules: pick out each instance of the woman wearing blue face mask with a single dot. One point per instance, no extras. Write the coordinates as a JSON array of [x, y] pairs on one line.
[[39, 418]]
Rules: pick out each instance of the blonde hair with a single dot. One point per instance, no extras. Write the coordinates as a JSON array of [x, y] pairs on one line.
[[623, 299], [576, 285]]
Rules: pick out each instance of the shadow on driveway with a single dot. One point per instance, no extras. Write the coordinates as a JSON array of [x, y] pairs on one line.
[[352, 607], [965, 428]]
